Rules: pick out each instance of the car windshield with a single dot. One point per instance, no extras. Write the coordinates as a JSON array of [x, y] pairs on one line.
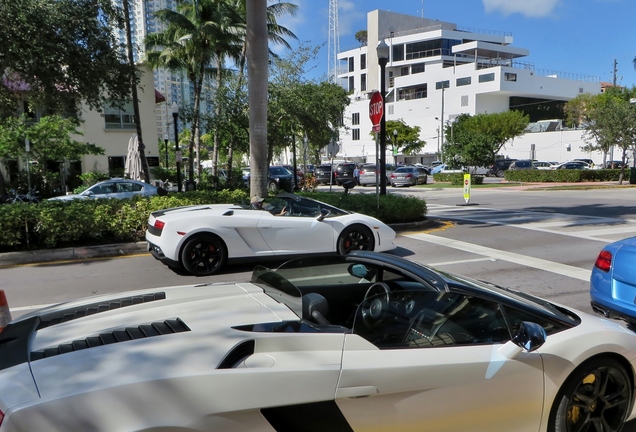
[[279, 171], [404, 170]]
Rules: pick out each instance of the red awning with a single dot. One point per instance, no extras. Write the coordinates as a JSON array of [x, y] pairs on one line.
[[159, 97]]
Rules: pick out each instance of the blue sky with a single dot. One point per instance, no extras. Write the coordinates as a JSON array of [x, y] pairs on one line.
[[574, 36]]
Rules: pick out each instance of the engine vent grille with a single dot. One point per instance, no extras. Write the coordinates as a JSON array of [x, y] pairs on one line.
[[157, 328], [49, 319]]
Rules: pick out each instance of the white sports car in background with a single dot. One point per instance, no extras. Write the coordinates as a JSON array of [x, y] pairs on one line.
[[201, 239], [361, 342]]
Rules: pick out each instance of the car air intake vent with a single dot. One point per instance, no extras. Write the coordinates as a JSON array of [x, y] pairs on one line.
[[157, 328], [237, 354], [49, 319]]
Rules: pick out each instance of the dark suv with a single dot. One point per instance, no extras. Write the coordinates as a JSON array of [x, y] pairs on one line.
[[324, 175], [497, 169], [344, 175]]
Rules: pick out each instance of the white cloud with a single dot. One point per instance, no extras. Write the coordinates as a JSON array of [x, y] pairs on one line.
[[530, 8]]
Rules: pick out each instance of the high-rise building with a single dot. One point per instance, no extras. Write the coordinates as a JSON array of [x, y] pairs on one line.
[[437, 71]]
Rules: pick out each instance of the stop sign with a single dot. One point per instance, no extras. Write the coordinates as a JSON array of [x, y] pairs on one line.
[[376, 108]]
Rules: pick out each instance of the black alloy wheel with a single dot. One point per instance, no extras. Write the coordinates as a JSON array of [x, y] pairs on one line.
[[204, 255], [355, 237], [596, 398]]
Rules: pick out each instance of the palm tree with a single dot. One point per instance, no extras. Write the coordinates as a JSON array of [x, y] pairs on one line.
[[256, 54], [197, 34], [275, 33]]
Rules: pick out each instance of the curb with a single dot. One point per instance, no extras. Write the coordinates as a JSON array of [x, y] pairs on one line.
[[41, 256], [73, 253]]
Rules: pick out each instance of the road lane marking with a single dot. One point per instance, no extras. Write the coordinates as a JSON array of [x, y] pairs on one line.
[[466, 261], [524, 260]]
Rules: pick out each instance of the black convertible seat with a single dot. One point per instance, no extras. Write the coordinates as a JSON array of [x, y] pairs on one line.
[[315, 308]]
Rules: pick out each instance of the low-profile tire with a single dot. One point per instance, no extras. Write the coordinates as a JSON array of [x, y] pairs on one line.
[[595, 397], [355, 237], [203, 255]]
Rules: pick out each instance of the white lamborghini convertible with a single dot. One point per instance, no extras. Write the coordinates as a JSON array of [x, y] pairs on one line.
[[362, 342], [201, 239]]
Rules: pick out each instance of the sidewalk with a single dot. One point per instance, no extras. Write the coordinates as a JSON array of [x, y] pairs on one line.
[[573, 186]]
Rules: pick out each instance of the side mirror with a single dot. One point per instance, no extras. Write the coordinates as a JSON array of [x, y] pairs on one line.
[[323, 214], [530, 337]]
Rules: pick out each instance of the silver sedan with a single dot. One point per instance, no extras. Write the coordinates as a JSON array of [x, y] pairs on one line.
[[408, 176], [115, 188]]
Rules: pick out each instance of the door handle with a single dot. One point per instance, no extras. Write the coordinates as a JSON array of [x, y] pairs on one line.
[[356, 392]]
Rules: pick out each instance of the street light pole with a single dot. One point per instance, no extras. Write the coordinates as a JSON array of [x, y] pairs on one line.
[[383, 58], [165, 141], [175, 117]]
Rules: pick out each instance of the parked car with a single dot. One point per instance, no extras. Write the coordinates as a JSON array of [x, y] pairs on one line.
[[438, 168], [613, 281], [118, 188], [217, 233], [408, 176], [572, 165], [589, 162], [344, 175], [279, 178], [541, 165], [522, 164], [324, 174], [365, 341], [371, 171], [498, 168], [615, 165]]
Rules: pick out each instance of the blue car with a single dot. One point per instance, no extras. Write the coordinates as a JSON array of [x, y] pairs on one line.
[[613, 281]]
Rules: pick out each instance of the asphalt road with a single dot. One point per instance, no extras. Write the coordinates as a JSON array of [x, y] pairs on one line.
[[541, 242]]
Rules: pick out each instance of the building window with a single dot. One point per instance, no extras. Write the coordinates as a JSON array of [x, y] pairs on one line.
[[462, 81], [351, 68], [419, 92], [398, 52], [391, 110], [355, 118], [363, 82], [355, 134], [417, 68], [123, 118], [510, 76], [486, 77], [351, 87], [404, 71], [363, 61], [438, 84], [464, 101]]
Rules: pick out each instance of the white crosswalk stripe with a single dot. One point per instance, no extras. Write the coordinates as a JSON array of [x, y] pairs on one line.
[[602, 229]]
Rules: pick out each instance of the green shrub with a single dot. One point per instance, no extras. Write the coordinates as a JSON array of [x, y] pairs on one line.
[[457, 179], [561, 176], [58, 223]]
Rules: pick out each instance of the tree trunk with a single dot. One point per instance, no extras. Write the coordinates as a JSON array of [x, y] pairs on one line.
[[217, 113], [135, 97], [198, 85], [257, 89]]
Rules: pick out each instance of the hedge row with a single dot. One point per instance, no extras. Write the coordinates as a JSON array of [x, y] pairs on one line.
[[564, 175], [53, 224], [457, 179]]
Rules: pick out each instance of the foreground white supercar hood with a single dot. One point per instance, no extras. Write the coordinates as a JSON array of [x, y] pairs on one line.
[[200, 344]]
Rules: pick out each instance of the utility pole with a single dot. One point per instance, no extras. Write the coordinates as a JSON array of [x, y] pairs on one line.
[[615, 72]]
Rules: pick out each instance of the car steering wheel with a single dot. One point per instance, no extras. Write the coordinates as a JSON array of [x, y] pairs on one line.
[[374, 311]]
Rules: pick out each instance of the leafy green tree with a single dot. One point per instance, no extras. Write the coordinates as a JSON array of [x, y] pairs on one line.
[[361, 36], [50, 139], [407, 139], [609, 120], [60, 53], [475, 140]]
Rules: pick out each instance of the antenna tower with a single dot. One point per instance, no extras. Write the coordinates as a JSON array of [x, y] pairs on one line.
[[334, 42]]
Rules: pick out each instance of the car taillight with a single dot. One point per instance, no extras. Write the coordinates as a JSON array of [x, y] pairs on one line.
[[1, 417], [159, 224], [392, 175], [409, 176], [361, 172], [604, 261]]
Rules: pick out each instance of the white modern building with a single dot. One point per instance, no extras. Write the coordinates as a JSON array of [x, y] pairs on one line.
[[437, 71]]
